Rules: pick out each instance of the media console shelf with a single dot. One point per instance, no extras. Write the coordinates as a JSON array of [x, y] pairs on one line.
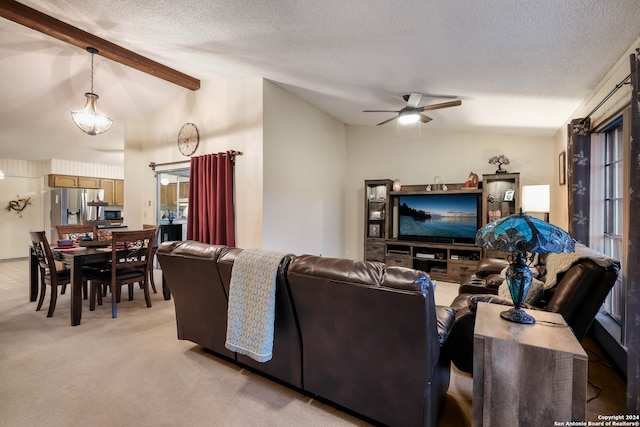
[[449, 261], [441, 261]]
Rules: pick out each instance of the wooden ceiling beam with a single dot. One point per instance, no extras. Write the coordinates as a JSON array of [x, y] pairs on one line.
[[50, 26]]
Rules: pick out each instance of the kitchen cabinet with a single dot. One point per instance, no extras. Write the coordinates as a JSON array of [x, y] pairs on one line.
[[88, 182], [168, 196], [65, 181], [119, 194], [72, 181], [108, 188], [113, 190]]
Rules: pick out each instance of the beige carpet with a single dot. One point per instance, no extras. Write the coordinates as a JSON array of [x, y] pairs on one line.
[[133, 371]]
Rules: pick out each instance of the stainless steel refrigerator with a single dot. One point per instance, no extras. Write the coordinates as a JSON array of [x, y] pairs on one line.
[[69, 206]]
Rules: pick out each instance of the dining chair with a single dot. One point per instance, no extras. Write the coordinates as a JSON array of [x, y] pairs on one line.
[[130, 260], [49, 274], [153, 254]]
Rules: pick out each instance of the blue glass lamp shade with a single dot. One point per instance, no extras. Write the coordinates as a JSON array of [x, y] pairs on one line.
[[519, 234]]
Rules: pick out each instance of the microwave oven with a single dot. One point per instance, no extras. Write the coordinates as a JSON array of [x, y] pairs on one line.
[[112, 215]]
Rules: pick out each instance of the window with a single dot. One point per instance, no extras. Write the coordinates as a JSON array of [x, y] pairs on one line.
[[613, 213]]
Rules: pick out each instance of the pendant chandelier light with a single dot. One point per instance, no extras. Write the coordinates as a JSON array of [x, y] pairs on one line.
[[90, 119]]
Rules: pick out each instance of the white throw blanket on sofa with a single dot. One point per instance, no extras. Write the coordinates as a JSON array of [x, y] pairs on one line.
[[559, 263], [252, 300]]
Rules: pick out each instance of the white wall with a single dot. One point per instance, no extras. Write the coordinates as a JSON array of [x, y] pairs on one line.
[[228, 114], [67, 167], [379, 152], [304, 174], [22, 179], [289, 180]]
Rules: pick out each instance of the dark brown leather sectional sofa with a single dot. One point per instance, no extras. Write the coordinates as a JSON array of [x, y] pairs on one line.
[[362, 335]]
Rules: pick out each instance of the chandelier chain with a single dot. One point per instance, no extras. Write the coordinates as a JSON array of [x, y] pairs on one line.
[[92, 72]]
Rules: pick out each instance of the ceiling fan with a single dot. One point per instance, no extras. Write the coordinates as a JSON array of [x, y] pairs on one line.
[[412, 113]]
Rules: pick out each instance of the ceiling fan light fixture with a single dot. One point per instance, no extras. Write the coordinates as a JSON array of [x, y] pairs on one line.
[[89, 119], [409, 118]]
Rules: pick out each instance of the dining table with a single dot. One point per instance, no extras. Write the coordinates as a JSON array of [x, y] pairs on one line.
[[76, 257]]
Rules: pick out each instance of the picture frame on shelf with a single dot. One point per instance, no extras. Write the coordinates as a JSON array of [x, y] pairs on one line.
[[508, 195], [562, 168], [374, 230], [375, 215]]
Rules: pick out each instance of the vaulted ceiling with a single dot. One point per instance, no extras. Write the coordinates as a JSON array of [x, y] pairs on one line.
[[519, 67]]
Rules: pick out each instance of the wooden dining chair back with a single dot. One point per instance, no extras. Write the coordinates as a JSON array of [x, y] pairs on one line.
[[76, 231], [156, 242], [49, 274], [130, 260]]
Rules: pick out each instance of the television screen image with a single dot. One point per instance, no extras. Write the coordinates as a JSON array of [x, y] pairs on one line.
[[449, 218]]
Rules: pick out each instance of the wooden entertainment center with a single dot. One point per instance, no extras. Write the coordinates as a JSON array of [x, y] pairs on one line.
[[450, 261]]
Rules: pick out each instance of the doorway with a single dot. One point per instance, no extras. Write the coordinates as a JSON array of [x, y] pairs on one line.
[[173, 198]]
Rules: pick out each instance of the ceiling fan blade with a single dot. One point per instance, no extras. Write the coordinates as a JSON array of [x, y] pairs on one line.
[[387, 121], [380, 111], [425, 119], [442, 105], [414, 99]]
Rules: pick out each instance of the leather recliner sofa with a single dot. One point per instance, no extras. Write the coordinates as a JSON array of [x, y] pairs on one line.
[[198, 276], [577, 295], [362, 335]]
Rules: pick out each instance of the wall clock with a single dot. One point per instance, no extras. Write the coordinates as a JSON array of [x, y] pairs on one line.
[[188, 139]]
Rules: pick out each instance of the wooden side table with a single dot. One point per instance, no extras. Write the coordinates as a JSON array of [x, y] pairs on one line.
[[526, 375]]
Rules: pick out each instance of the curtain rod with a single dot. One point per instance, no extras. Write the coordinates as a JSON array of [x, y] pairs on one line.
[[615, 89], [153, 165]]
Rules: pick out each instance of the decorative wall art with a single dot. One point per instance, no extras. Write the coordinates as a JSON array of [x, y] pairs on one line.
[[18, 205]]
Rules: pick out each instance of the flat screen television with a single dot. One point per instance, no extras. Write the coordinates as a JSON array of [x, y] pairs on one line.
[[441, 218]]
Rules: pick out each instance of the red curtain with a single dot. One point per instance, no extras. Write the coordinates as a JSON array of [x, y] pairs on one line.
[[210, 217]]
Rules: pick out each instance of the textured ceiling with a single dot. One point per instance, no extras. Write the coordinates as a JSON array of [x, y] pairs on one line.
[[519, 67]]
